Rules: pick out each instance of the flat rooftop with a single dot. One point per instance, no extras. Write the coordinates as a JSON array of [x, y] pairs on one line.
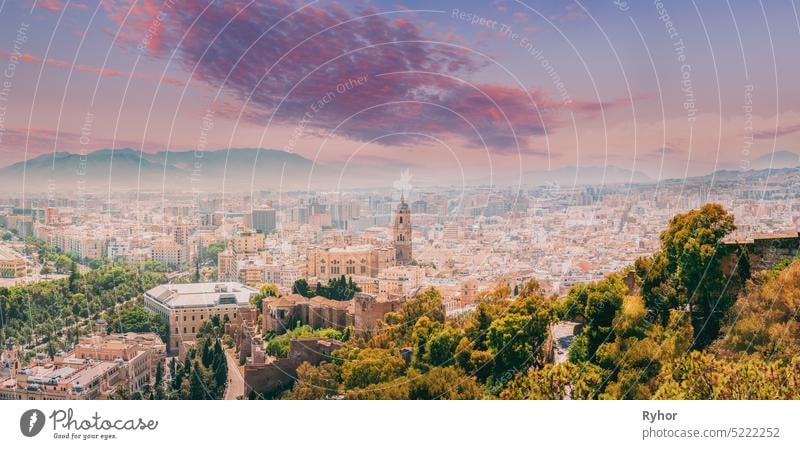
[[209, 294], [7, 253]]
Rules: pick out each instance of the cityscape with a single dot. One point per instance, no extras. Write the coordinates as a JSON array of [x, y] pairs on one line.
[[287, 200], [265, 269]]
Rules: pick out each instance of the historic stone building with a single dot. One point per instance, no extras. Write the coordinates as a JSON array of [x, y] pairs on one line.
[[266, 375], [362, 312], [350, 261], [402, 233], [185, 307], [758, 252]]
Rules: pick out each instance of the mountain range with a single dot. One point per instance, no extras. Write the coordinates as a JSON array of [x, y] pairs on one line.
[[240, 169], [251, 169]]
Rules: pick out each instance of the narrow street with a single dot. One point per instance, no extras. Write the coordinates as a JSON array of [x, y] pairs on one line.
[[235, 386]]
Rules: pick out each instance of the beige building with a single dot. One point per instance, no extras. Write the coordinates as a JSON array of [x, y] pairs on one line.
[[68, 379], [362, 260], [85, 242], [248, 241], [251, 271], [12, 264], [184, 307], [95, 369], [284, 274], [402, 281], [170, 253], [141, 352], [226, 265]]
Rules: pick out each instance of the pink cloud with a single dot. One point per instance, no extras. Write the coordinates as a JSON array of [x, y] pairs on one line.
[[389, 52], [776, 132], [573, 13], [102, 71], [53, 6]]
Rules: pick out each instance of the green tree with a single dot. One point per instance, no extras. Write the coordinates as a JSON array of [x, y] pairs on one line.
[[691, 245], [301, 287], [372, 366], [196, 388], [316, 382], [73, 276], [764, 319], [266, 291], [556, 382], [159, 373], [213, 251], [441, 346], [443, 383]]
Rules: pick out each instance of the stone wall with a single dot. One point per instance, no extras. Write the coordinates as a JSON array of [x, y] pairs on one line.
[[273, 375], [368, 310], [759, 253], [362, 312]]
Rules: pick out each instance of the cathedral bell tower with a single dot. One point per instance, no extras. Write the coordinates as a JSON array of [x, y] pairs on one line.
[[402, 232]]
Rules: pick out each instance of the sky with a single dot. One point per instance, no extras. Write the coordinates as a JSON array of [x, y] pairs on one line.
[[668, 88]]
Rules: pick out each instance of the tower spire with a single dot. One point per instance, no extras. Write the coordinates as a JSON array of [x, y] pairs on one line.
[[402, 231]]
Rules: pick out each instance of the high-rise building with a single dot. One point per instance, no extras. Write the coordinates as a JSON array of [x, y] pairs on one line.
[[402, 232], [264, 220], [181, 233]]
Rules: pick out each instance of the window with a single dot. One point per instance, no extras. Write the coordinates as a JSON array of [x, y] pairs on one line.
[[184, 330], [401, 219], [192, 329], [184, 318], [192, 317]]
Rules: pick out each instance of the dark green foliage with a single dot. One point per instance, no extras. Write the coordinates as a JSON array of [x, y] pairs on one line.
[[132, 317], [688, 271], [339, 289], [211, 253], [204, 372]]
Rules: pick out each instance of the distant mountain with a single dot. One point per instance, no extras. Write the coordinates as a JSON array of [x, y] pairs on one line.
[[251, 169], [778, 159], [235, 170]]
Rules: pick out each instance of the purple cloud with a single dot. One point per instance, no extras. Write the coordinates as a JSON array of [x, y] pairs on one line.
[[365, 77]]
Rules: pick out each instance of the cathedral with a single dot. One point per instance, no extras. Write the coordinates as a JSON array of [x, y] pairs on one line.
[[402, 232]]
